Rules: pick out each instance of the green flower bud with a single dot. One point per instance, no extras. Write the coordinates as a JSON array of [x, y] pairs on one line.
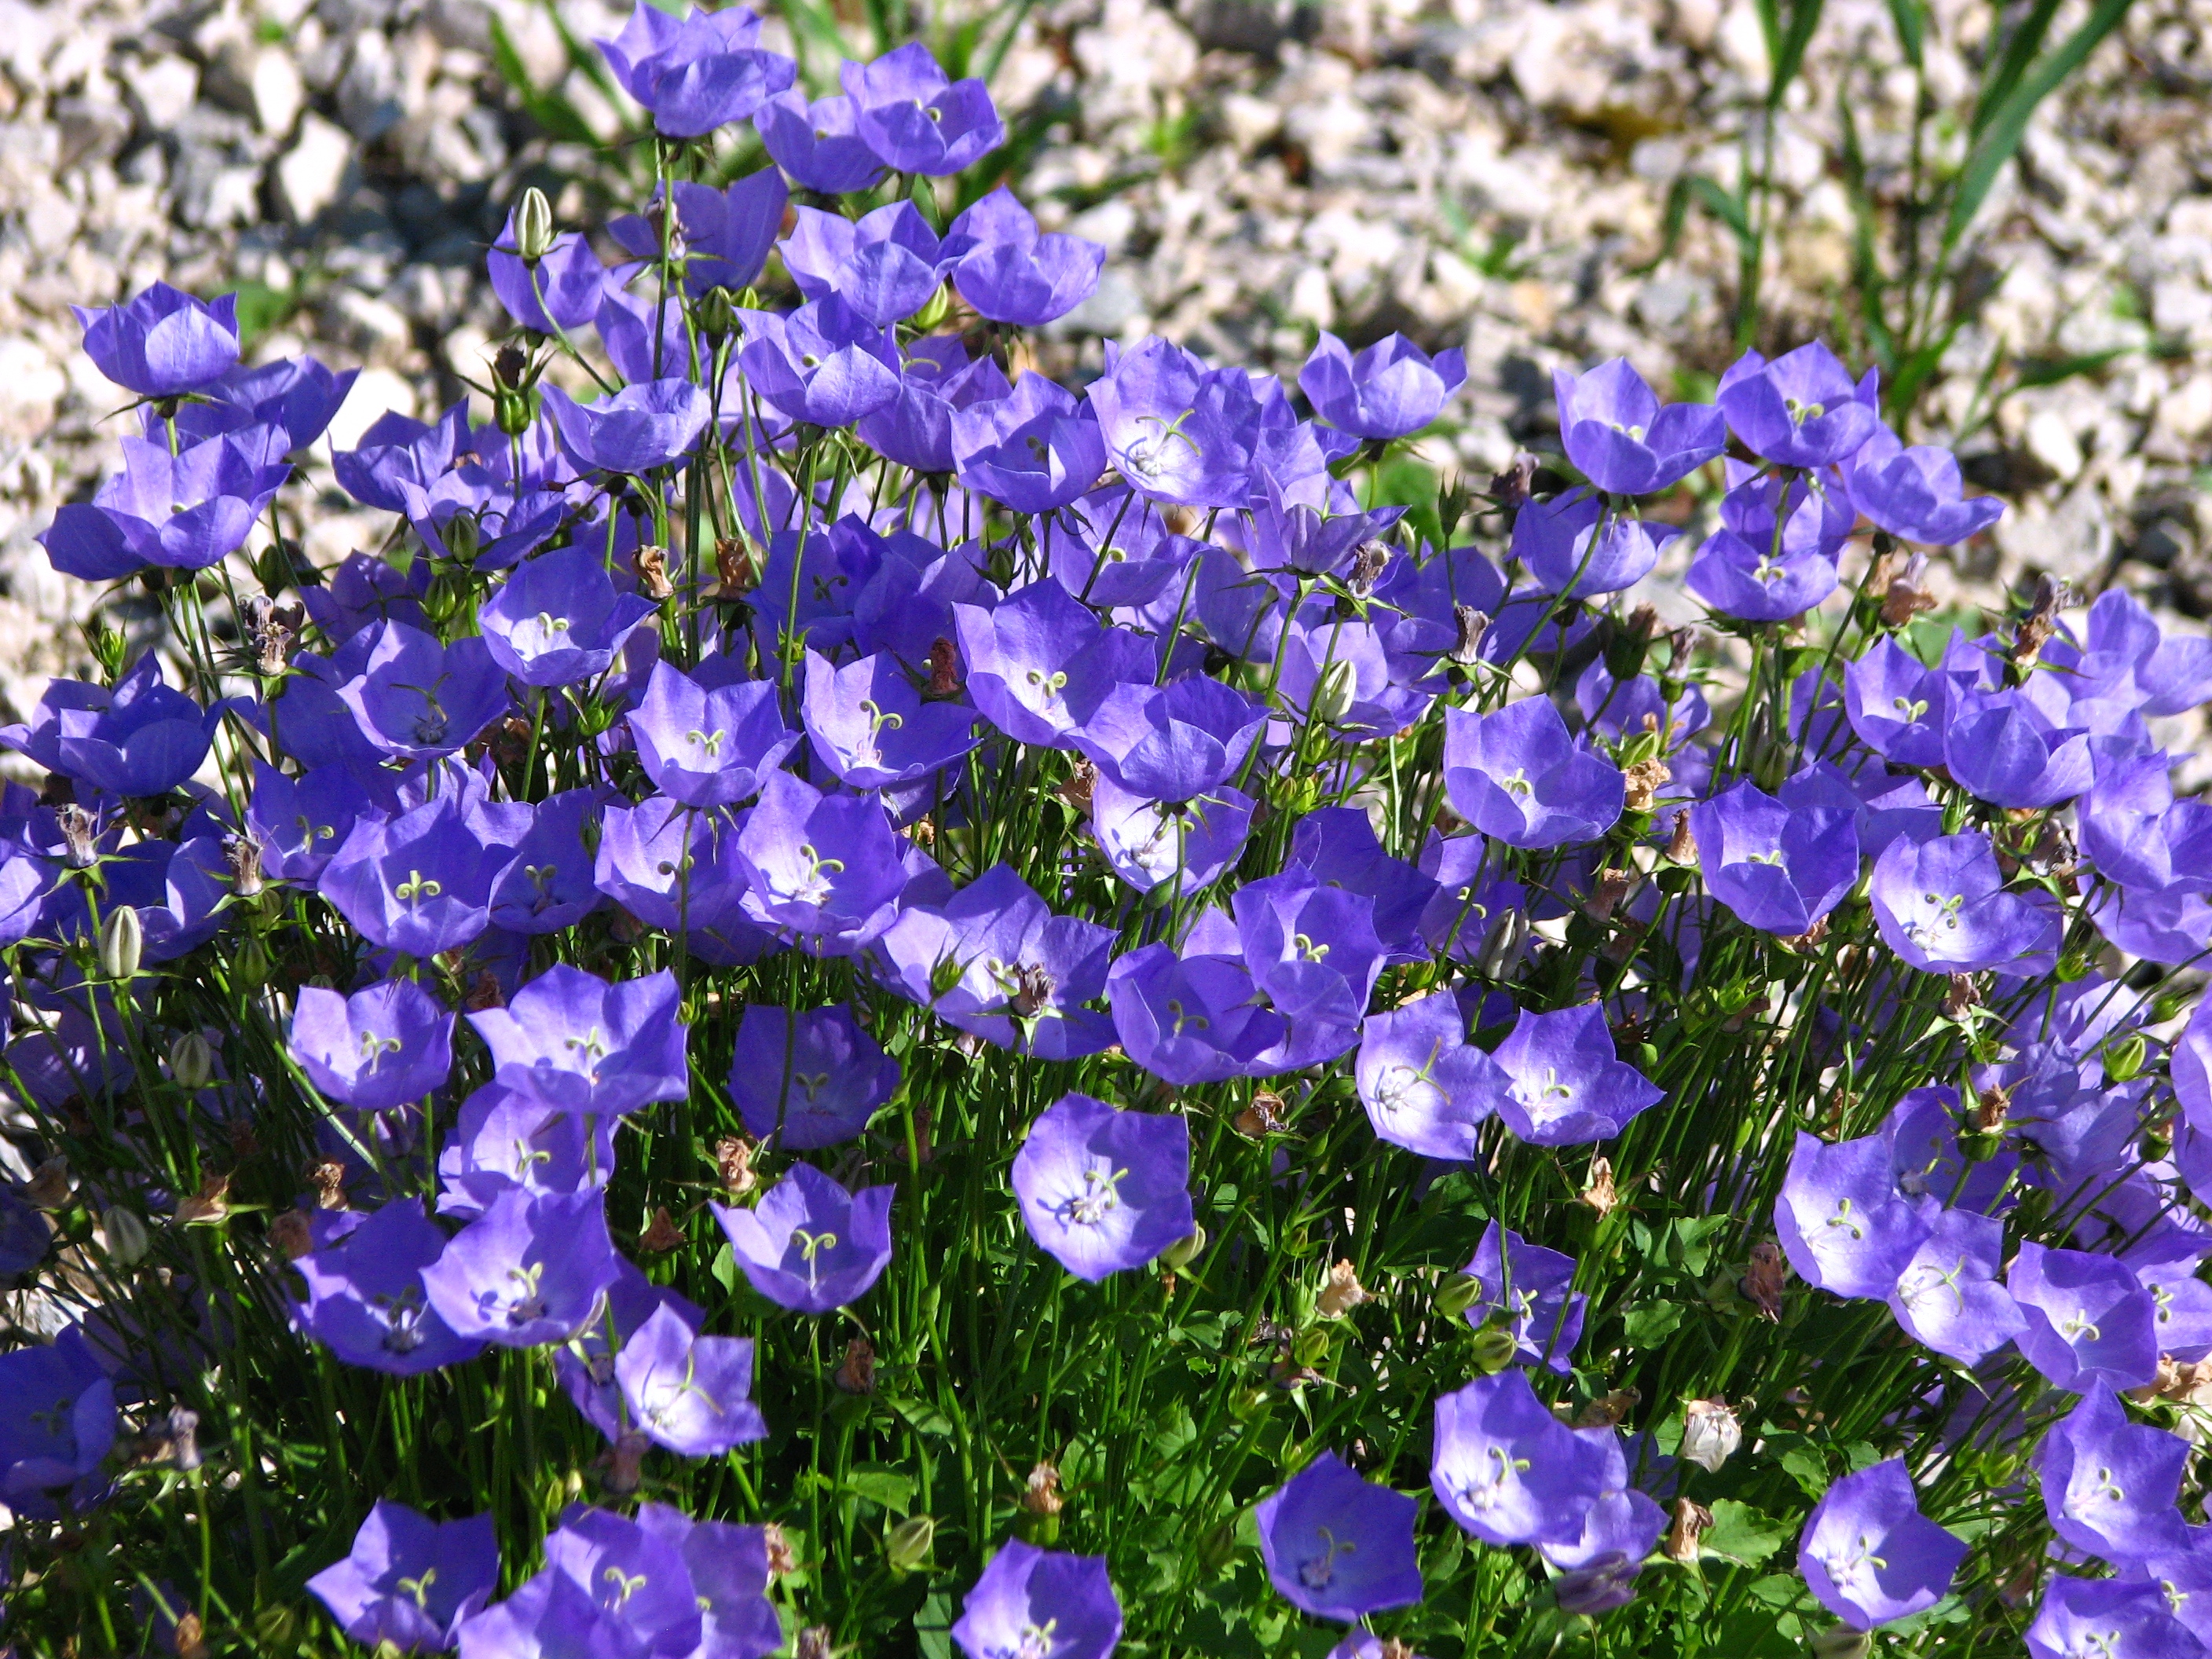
[[1184, 1251], [716, 314], [1456, 1295], [249, 963], [907, 1546], [938, 307], [1216, 1544], [1494, 1349], [533, 226], [2123, 1061], [1841, 1643], [191, 1063], [125, 1236], [461, 537], [1040, 1530], [510, 411], [2073, 967], [1312, 1346], [122, 941]]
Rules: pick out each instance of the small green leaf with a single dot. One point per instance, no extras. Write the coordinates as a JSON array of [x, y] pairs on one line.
[[1740, 1534], [890, 1487], [1652, 1323]]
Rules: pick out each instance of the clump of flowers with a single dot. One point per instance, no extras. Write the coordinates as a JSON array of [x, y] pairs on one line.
[[846, 1000]]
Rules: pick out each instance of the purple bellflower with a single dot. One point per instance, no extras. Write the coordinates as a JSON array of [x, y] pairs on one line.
[[161, 343], [421, 883], [1103, 1190], [809, 1079], [1037, 449], [1040, 663], [409, 1580], [1760, 570], [532, 1269], [1426, 1087], [1013, 273], [870, 727], [1779, 868], [367, 1298], [1509, 1471], [1390, 390], [416, 699], [1841, 1220], [826, 871], [297, 396], [633, 431], [818, 144], [141, 737], [2009, 751], [58, 1427], [823, 363], [301, 822], [558, 619], [1313, 951], [549, 887], [561, 294], [1189, 843], [937, 381], [1338, 1546], [809, 1244], [2090, 1323], [549, 1615], [688, 1393], [1578, 544], [635, 1575], [1173, 742], [1517, 776], [2110, 1485], [582, 1045], [1039, 1604], [1530, 1286], [886, 265], [1947, 1297], [1942, 905], [509, 1139], [2125, 656], [1899, 706], [379, 1049], [1916, 494], [1338, 845], [696, 73], [729, 1569], [2097, 1616], [708, 741], [1564, 1086], [1178, 432], [1868, 1553], [917, 119], [1598, 1568], [1801, 410], [723, 236], [185, 511], [1189, 1019], [1615, 430]]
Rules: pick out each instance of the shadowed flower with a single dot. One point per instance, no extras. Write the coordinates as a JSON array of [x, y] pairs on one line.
[[1517, 776], [367, 1300], [809, 1079], [1103, 1190], [1013, 273], [417, 699], [409, 1580], [633, 431], [817, 143], [1039, 1604], [1579, 543], [1529, 1285], [1338, 1546], [1035, 449], [2108, 1619]]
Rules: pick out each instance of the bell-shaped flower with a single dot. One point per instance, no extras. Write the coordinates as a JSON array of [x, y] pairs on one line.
[[818, 144], [1517, 776], [396, 447], [297, 396], [2122, 1618], [1336, 674], [1313, 953], [1173, 742], [184, 510], [139, 737], [1803, 408], [1948, 1299], [1761, 570], [1178, 432], [532, 1269], [409, 1580], [722, 236], [1338, 1546], [1030, 1602], [1426, 1087], [633, 431], [1916, 494], [2090, 1323], [421, 883], [916, 117], [676, 868], [1578, 544], [1598, 1569], [582, 1045], [1103, 1190], [1564, 1086], [1338, 844], [690, 1393], [696, 73], [2008, 752], [1013, 273], [507, 1139], [1189, 1019], [2134, 832], [937, 381], [809, 1244], [161, 343], [1942, 906], [561, 293], [706, 741], [1189, 843], [416, 699], [377, 1050], [1509, 1471], [299, 822], [1034, 450], [870, 727], [1780, 868], [56, 1426], [1040, 663], [368, 1303], [1389, 390], [2124, 657], [633, 1574], [808, 1079], [886, 265], [825, 871], [1868, 1553], [1615, 430], [550, 1615], [1529, 1288], [558, 619], [549, 885], [1899, 706], [2109, 1486], [1840, 1219], [823, 363]]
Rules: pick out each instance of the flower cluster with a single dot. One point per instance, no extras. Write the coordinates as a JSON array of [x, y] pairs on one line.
[[805, 822]]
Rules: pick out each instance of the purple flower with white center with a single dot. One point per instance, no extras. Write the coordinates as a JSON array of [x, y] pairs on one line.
[[1013, 273], [885, 265], [561, 294], [1869, 1554], [1899, 706], [2090, 1323], [1338, 1546], [1942, 905], [809, 1079], [870, 727], [1037, 449], [824, 870], [1313, 953], [722, 236], [549, 885], [1389, 390], [1039, 1604], [300, 822], [185, 511], [690, 1393], [2108, 1619], [507, 1139], [995, 960], [1801, 410], [421, 883], [823, 363], [1103, 1190], [1426, 1087], [368, 1300], [937, 381], [1615, 430], [1564, 1086], [586, 1364], [1509, 1471], [1578, 544], [409, 1580], [2009, 752], [1188, 842], [1840, 1220], [817, 143], [2184, 1301], [1177, 431], [582, 1045], [706, 741], [138, 737], [161, 343], [633, 431], [696, 73], [1189, 1019], [530, 1270], [1338, 845], [558, 619], [1040, 663], [415, 698], [809, 1244], [2110, 1485], [915, 118], [676, 868], [379, 1049], [635, 1575], [1173, 742], [1780, 868], [1517, 776], [1531, 1287], [1947, 1297], [1759, 570], [1916, 494]]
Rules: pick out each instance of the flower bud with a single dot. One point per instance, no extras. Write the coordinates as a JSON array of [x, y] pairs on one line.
[[1215, 1547], [122, 941], [191, 1063], [1332, 693], [907, 1546], [184, 1431], [533, 226], [2123, 1061], [716, 314], [461, 537], [249, 963], [1495, 1347], [1312, 1346], [124, 1235], [1456, 1295], [1184, 1251], [510, 412], [1841, 1643]]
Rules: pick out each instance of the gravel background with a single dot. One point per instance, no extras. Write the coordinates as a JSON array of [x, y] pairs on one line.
[[1492, 174]]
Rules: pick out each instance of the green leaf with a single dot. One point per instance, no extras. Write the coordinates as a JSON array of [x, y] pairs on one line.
[[891, 1488], [1807, 1469], [1652, 1323], [1743, 1534], [1693, 1237]]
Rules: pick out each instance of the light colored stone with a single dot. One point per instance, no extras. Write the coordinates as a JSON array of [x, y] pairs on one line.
[[278, 92], [163, 88], [2051, 440], [313, 171]]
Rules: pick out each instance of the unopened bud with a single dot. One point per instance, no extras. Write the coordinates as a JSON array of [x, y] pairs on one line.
[[1841, 1643], [121, 942], [191, 1063], [1495, 1348], [716, 314], [249, 963], [1711, 1433], [2123, 1061], [907, 1546], [1216, 1544], [511, 413], [533, 226], [1458, 1292], [461, 537], [125, 1236], [1184, 1251]]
